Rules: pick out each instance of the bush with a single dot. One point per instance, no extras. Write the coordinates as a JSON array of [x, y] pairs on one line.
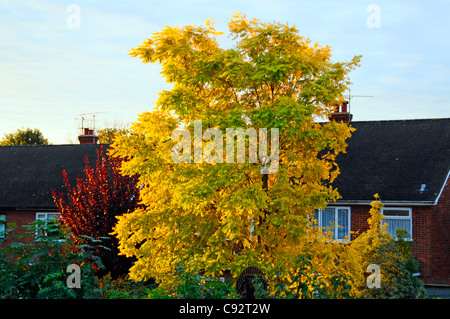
[[397, 280], [306, 282], [125, 288], [393, 257], [90, 209], [195, 286], [38, 268]]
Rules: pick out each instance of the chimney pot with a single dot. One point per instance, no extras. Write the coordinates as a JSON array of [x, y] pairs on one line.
[[88, 137], [343, 116], [344, 106]]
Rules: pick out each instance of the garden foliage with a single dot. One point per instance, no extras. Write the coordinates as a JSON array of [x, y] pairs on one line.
[[91, 206]]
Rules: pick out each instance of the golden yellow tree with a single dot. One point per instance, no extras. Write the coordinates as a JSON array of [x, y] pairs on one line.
[[212, 212]]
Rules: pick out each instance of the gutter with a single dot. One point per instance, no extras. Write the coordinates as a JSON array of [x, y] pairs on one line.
[[386, 203]]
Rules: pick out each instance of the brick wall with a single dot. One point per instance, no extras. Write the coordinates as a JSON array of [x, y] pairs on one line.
[[440, 230], [359, 216], [422, 236], [19, 218], [431, 235]]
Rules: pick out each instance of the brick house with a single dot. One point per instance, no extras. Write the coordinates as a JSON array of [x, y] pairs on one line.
[[28, 174], [407, 162]]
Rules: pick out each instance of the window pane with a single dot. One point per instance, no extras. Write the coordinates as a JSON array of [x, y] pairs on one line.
[[329, 220], [49, 226], [343, 223], [316, 218], [395, 212], [393, 224], [52, 216], [2, 226]]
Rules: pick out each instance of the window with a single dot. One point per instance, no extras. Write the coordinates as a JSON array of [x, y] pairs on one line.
[[49, 226], [397, 218], [335, 220], [2, 225]]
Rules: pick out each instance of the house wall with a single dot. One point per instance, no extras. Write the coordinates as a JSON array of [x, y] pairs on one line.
[[440, 230], [20, 218], [431, 235], [422, 219], [359, 216]]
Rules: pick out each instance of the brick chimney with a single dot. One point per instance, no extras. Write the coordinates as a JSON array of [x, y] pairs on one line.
[[88, 137], [341, 114]]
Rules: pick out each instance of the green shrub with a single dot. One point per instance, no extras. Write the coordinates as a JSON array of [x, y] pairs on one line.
[[397, 268], [38, 268], [195, 286], [125, 288]]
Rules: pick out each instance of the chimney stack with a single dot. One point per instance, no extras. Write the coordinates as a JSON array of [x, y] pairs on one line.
[[341, 114], [88, 137]]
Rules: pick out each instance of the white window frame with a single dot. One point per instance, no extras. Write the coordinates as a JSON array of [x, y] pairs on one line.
[[336, 219], [44, 216], [409, 217], [2, 226]]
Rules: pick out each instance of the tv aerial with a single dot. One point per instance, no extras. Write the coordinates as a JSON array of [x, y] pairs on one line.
[[89, 118], [352, 96]]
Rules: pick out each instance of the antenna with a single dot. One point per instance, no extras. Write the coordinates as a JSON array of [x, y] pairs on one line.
[[83, 118], [350, 97]]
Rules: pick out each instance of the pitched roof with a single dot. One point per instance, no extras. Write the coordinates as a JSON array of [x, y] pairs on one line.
[[28, 174], [394, 159], [391, 158]]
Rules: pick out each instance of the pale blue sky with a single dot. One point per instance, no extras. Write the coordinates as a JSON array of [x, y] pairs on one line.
[[49, 72]]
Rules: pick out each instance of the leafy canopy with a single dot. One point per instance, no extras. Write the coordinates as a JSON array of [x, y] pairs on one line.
[[24, 137], [212, 217], [90, 207]]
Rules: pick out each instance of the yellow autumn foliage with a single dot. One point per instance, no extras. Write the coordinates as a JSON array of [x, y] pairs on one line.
[[212, 217]]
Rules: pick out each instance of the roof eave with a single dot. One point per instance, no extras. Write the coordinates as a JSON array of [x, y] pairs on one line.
[[46, 209], [366, 202], [442, 188]]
